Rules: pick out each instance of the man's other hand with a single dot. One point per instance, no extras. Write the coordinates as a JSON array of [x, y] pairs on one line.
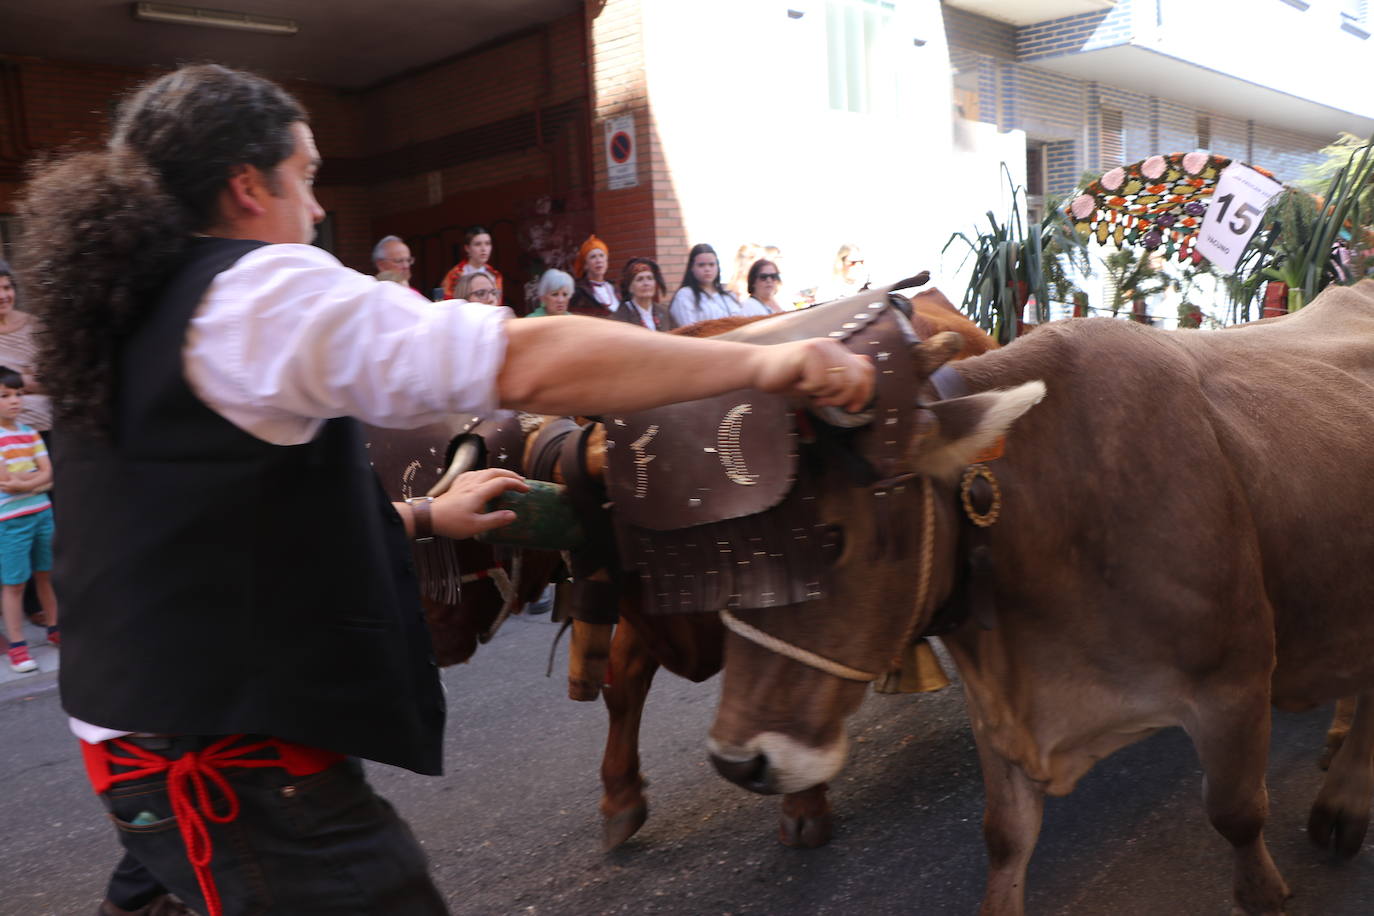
[[460, 512]]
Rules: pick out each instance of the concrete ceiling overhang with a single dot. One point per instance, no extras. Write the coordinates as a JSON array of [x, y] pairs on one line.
[[347, 44], [1028, 12], [1152, 73]]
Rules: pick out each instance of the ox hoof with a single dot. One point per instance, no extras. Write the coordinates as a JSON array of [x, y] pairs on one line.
[[804, 832], [620, 827], [1338, 832]]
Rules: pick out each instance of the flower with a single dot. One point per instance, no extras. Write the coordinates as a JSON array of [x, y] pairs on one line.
[[1193, 208], [1082, 206], [1166, 219], [1194, 162], [1152, 239], [1153, 167], [1113, 179]]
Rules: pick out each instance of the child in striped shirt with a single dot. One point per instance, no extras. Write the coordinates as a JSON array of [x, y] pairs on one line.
[[25, 522]]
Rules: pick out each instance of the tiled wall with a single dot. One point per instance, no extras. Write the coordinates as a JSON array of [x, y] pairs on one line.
[[1081, 32]]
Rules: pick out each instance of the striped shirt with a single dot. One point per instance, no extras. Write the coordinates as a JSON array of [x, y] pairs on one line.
[[20, 449]]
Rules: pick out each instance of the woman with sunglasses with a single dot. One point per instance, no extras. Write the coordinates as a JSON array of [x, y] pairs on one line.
[[764, 282], [849, 277]]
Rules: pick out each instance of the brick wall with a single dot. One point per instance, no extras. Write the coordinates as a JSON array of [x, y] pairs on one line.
[[645, 220], [1081, 32]]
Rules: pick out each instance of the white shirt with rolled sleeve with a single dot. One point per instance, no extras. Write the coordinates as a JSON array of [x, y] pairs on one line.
[[288, 337]]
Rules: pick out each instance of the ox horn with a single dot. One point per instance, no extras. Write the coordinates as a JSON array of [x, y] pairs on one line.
[[933, 353], [464, 459]]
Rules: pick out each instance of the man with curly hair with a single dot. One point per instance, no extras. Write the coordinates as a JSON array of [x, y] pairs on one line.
[[241, 618]]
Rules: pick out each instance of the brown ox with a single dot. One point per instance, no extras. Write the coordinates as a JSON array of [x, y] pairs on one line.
[[692, 646], [1179, 544]]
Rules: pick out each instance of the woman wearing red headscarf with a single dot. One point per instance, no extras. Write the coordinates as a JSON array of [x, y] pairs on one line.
[[592, 294]]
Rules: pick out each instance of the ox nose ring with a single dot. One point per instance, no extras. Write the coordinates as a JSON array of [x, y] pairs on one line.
[[751, 773]]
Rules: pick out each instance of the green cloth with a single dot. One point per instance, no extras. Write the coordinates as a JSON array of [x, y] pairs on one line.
[[539, 312]]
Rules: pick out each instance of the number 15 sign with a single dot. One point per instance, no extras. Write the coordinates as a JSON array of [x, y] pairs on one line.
[[1234, 213]]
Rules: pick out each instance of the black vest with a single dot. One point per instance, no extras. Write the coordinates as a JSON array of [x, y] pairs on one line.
[[212, 583]]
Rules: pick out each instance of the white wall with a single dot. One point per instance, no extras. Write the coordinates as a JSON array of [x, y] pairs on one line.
[[740, 97], [1304, 53]]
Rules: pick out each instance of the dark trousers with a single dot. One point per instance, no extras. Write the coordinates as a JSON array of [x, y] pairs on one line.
[[321, 844], [132, 886]]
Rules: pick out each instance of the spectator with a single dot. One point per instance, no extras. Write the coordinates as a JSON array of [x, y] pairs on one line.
[[477, 245], [701, 295], [764, 282], [19, 351], [391, 255], [555, 291], [25, 522], [476, 287], [643, 291], [593, 295], [848, 277]]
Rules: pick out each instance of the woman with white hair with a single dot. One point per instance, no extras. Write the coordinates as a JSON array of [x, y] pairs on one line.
[[555, 290]]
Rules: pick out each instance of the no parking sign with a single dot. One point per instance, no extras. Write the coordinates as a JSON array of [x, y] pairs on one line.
[[622, 156]]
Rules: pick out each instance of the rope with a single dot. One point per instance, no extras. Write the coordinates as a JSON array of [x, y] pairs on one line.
[[927, 565], [796, 653], [190, 797], [830, 666]]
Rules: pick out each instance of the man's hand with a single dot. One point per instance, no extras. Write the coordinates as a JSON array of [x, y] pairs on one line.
[[820, 369], [461, 511]]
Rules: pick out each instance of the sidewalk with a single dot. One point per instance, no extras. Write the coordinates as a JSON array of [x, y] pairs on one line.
[[44, 654]]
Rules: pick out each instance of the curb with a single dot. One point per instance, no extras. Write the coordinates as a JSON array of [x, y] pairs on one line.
[[34, 685]]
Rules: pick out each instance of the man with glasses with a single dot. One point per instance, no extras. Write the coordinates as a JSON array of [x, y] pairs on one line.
[[392, 255]]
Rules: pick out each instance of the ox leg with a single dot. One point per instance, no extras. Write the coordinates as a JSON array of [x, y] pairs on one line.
[[623, 805], [805, 822], [1340, 727], [1340, 815], [1011, 825], [1232, 743]]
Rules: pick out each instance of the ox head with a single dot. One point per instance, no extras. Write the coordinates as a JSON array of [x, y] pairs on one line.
[[780, 723]]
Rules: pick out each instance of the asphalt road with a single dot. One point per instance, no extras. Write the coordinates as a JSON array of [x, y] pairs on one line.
[[513, 827]]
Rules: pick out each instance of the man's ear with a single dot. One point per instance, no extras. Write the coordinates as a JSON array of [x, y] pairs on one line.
[[245, 190]]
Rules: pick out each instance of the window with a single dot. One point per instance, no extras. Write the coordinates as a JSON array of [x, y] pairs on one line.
[[860, 54], [1035, 182], [9, 235], [1355, 17], [1112, 139], [1204, 131]]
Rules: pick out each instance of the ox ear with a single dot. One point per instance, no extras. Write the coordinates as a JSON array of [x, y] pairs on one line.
[[930, 355], [966, 426]]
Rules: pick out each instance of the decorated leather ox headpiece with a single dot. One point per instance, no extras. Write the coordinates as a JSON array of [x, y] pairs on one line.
[[709, 507]]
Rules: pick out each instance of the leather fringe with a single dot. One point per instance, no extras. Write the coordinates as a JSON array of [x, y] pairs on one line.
[[779, 557], [436, 566]]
